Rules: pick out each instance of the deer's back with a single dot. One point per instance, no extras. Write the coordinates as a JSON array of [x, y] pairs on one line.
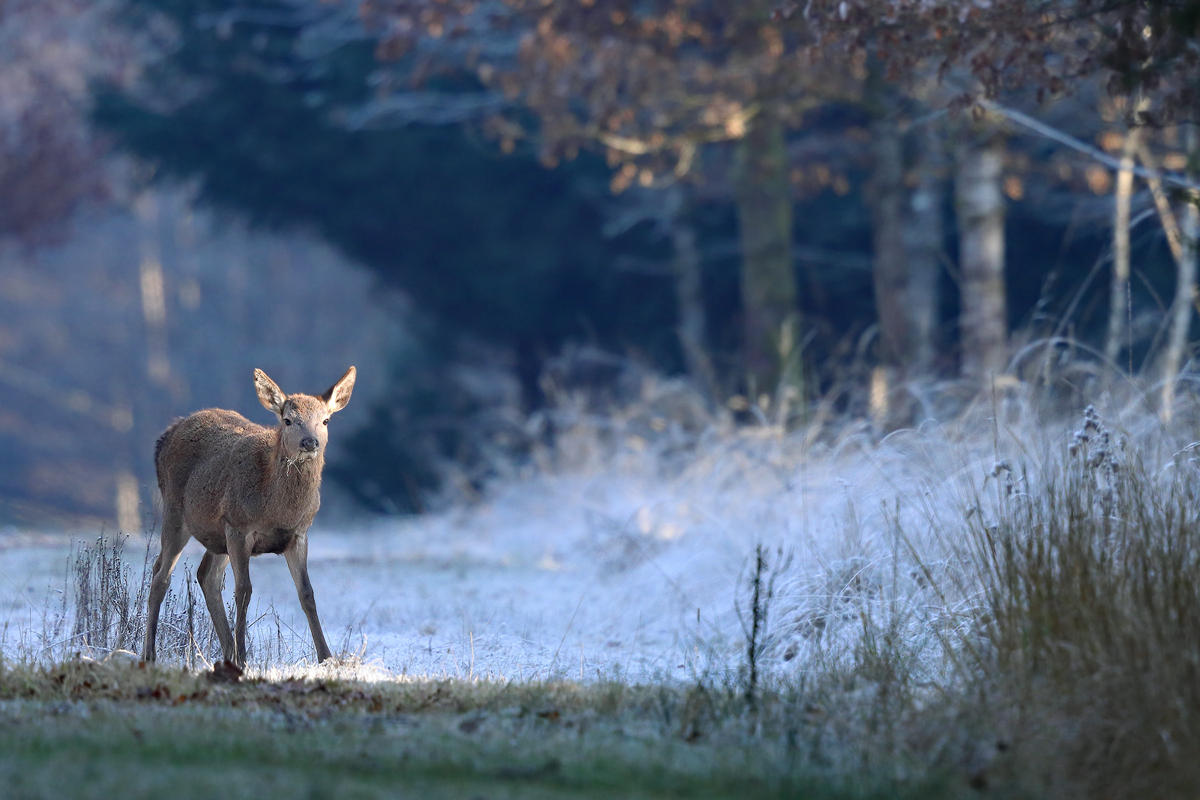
[[207, 460]]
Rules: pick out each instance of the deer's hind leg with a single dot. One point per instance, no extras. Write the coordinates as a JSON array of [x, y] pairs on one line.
[[239, 558], [211, 577], [173, 539]]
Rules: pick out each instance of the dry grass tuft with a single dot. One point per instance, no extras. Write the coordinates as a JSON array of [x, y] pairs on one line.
[[1087, 642], [104, 613]]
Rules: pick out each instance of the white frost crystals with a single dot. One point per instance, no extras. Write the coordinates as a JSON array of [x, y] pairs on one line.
[[652, 553]]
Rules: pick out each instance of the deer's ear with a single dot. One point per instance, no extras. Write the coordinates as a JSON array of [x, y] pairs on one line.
[[339, 394], [269, 394]]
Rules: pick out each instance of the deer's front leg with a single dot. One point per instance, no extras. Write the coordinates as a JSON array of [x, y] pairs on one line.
[[297, 561], [238, 548]]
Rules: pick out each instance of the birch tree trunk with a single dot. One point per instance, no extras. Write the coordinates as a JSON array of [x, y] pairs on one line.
[[1119, 294], [692, 327], [150, 273], [768, 280], [979, 201], [923, 239], [1185, 288]]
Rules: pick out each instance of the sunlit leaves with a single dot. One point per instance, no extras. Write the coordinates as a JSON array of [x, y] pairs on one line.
[[647, 82]]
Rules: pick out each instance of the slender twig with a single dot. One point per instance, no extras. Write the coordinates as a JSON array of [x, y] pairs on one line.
[[1049, 132], [567, 631]]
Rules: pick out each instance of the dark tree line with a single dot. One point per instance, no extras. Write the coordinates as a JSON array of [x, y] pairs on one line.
[[756, 194]]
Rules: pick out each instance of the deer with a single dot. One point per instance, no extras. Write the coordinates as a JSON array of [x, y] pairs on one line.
[[241, 490]]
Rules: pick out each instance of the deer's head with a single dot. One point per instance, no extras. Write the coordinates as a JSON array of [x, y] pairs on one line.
[[303, 419]]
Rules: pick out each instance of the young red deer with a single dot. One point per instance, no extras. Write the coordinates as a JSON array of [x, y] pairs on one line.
[[241, 490]]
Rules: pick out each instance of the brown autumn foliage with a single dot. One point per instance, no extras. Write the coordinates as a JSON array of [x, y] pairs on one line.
[[1047, 46], [652, 80], [648, 82], [47, 166], [49, 160]]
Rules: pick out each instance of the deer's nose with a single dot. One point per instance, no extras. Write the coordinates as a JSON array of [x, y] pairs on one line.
[[308, 444]]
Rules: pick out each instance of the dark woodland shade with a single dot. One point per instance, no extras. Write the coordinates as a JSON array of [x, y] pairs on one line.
[[499, 248], [492, 245]]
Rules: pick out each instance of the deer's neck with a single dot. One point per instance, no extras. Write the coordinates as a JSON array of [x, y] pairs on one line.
[[293, 482]]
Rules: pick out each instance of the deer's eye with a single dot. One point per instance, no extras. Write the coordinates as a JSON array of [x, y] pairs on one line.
[[287, 421]]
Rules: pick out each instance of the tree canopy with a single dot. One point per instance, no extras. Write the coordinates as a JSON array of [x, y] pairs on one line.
[[493, 245], [1046, 46], [636, 174]]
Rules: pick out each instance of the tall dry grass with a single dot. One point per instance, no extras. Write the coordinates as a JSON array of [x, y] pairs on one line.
[[1086, 642], [102, 613], [1027, 613], [1029, 610]]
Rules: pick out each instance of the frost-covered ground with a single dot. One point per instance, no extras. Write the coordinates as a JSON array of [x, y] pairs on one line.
[[629, 560], [992, 598]]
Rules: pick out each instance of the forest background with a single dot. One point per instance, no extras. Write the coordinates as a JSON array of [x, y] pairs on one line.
[[503, 212]]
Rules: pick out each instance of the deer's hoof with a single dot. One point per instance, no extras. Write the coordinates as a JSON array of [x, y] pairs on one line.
[[225, 672]]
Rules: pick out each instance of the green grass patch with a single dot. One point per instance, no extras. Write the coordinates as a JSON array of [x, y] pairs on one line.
[[89, 729]]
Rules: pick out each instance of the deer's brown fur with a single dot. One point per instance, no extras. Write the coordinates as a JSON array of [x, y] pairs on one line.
[[242, 490]]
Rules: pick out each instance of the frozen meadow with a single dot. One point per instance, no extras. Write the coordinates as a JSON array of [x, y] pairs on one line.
[[1008, 598], [630, 555]]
